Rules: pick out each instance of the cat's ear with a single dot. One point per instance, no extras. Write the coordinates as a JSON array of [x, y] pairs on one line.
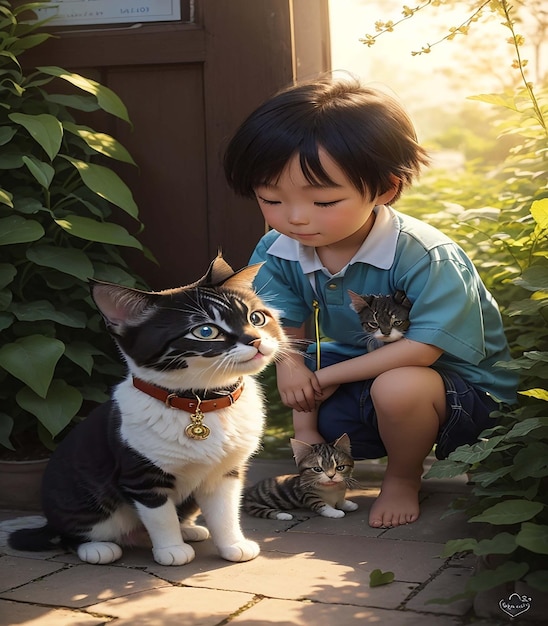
[[401, 298], [218, 271], [343, 443], [300, 449], [119, 306], [357, 303], [243, 279]]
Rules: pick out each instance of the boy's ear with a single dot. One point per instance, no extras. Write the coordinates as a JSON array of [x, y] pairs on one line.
[[387, 196]]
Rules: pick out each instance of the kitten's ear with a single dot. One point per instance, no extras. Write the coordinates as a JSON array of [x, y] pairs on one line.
[[119, 305], [357, 303], [300, 449], [401, 298], [243, 279], [343, 443]]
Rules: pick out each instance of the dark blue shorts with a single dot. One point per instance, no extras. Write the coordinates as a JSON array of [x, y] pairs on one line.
[[350, 410]]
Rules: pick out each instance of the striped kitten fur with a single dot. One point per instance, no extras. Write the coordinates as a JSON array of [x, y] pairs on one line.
[[384, 319], [142, 464], [325, 473]]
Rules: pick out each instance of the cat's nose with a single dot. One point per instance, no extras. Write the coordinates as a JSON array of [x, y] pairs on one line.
[[256, 343]]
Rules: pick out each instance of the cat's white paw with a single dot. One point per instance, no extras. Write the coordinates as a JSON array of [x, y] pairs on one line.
[[99, 552], [174, 555], [284, 516], [244, 550], [329, 511], [191, 532], [348, 505]]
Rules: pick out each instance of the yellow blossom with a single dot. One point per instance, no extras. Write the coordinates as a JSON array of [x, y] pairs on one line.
[[407, 11]]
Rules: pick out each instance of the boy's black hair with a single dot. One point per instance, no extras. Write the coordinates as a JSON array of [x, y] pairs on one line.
[[366, 132]]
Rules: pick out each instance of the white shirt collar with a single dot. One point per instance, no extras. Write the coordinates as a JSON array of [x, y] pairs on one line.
[[378, 249]]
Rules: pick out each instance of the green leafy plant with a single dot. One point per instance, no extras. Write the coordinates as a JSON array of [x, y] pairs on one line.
[[497, 209], [57, 204]]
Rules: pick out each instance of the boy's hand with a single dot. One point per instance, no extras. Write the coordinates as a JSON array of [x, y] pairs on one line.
[[297, 385]]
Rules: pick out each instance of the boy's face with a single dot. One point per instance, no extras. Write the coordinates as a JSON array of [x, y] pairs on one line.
[[318, 215]]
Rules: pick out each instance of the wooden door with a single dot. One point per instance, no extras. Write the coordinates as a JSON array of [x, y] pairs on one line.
[[187, 86]]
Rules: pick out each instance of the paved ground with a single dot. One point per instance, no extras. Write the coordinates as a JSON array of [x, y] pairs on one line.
[[312, 571]]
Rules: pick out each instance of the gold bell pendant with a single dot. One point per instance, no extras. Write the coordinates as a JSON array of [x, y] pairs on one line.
[[196, 429]]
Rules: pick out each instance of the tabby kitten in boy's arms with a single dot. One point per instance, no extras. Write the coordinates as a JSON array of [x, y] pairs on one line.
[[384, 319], [178, 431], [325, 473]]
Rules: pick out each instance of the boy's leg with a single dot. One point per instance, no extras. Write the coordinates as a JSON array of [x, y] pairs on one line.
[[410, 403]]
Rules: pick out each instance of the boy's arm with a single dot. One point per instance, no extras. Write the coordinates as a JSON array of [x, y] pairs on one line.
[[402, 353], [297, 385]]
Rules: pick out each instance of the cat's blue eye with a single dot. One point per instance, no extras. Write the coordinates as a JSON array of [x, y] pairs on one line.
[[258, 318], [206, 332]]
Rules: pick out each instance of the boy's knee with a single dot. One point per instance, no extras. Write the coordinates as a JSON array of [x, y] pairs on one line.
[[407, 388]]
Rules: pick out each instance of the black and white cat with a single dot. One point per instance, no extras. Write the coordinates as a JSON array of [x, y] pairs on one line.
[[325, 473], [384, 319], [178, 430]]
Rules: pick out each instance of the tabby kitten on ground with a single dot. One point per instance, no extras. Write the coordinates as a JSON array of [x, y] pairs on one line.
[[178, 431], [384, 319], [325, 473]]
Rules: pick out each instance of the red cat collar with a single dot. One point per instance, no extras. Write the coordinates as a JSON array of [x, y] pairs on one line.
[[173, 401]]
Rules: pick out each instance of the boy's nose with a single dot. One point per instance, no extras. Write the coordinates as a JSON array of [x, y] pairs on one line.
[[298, 216]]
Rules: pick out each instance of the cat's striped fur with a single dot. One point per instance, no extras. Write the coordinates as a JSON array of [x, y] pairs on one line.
[[325, 473], [131, 466]]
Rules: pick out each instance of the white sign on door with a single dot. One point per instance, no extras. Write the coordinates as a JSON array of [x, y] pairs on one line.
[[71, 12]]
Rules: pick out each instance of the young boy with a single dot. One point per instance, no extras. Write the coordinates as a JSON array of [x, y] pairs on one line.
[[325, 160]]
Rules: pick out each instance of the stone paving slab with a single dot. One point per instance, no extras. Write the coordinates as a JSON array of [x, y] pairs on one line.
[[19, 571], [450, 582], [173, 606], [83, 585], [287, 613], [16, 613]]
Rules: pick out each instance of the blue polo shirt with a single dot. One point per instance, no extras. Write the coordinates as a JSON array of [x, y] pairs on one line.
[[451, 307]]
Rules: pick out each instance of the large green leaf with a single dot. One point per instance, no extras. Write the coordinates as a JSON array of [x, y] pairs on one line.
[[45, 129], [509, 512], [44, 310], [57, 409], [534, 537], [490, 578], [103, 232], [106, 98], [68, 260], [477, 452], [7, 273], [32, 359], [6, 426], [539, 210], [100, 142], [82, 353], [17, 229], [42, 171], [6, 198], [106, 184]]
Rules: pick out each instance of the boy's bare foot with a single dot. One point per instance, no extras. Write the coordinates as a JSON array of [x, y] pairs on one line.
[[397, 503]]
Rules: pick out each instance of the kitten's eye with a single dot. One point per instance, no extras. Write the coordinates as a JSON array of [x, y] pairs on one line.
[[340, 468], [373, 325], [206, 332], [398, 322], [318, 470], [258, 318]]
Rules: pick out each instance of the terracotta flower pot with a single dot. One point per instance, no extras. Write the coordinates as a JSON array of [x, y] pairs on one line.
[[20, 484]]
